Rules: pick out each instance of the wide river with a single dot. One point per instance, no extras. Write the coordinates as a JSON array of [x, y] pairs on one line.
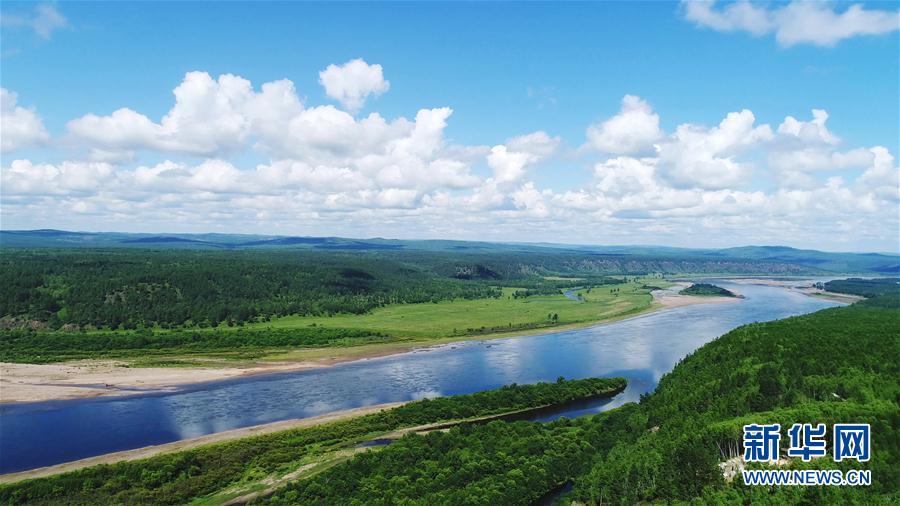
[[641, 349]]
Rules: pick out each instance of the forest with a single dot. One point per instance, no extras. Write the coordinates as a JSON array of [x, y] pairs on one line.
[[869, 288], [178, 478], [706, 289], [128, 288], [37, 347]]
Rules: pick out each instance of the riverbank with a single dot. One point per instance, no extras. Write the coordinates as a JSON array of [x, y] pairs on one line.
[[186, 444], [21, 383]]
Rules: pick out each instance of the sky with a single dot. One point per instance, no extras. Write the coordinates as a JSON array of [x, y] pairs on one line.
[[701, 124]]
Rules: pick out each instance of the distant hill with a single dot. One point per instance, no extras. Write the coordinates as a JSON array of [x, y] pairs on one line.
[[666, 259]]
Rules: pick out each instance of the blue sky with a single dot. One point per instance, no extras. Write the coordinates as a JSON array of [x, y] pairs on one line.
[[505, 69]]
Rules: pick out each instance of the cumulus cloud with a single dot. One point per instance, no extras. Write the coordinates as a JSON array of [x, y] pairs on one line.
[[210, 116], [634, 129], [508, 162], [23, 177], [353, 82], [317, 169], [19, 126], [696, 156], [224, 116], [813, 131], [799, 22], [883, 177]]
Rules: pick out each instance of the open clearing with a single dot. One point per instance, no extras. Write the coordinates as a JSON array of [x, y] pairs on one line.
[[468, 317]]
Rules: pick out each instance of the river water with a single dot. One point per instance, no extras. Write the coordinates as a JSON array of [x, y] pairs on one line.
[[641, 349]]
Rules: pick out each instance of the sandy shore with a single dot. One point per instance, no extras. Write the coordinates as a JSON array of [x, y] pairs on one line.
[[149, 451], [95, 378], [671, 298]]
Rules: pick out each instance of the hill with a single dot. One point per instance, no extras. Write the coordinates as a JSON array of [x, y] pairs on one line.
[[780, 260]]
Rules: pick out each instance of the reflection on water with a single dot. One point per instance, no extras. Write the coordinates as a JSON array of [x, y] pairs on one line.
[[641, 349]]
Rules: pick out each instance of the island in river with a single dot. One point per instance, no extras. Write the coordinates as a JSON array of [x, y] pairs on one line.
[[708, 290]]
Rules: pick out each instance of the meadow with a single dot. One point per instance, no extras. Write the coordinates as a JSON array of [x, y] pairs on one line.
[[466, 317]]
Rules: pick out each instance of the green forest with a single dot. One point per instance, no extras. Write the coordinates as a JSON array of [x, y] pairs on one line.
[[128, 288], [706, 289], [882, 288], [131, 289], [38, 347]]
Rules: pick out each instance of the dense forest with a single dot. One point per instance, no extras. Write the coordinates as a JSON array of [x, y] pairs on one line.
[[134, 288], [37, 347], [131, 289], [128, 289], [869, 288], [177, 478], [706, 289]]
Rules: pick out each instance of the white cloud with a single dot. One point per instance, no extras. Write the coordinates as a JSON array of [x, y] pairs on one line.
[[209, 117], [816, 23], [44, 20], [266, 161], [740, 15], [220, 117], [624, 175], [696, 156], [508, 165], [812, 159], [19, 127], [634, 129], [23, 177], [799, 22], [508, 162], [539, 144], [813, 131], [883, 177], [353, 82]]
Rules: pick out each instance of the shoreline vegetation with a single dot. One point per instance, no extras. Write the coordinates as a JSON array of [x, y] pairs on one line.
[[708, 290], [85, 378], [281, 450]]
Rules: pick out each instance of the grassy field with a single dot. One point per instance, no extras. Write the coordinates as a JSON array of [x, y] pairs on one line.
[[326, 339], [486, 316]]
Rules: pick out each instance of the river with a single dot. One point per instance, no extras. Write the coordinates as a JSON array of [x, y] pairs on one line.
[[641, 349]]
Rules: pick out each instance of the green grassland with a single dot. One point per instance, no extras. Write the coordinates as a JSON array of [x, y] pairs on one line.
[[462, 317]]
